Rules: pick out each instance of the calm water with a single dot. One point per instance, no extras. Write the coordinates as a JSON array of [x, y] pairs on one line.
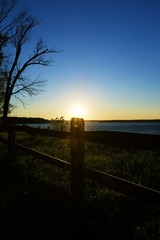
[[134, 127]]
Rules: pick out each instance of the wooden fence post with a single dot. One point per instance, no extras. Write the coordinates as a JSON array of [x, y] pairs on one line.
[[11, 142], [77, 163]]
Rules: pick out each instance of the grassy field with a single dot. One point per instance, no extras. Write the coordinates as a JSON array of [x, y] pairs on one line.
[[35, 196]]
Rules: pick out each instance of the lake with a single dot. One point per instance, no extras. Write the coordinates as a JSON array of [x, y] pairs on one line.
[[134, 127], [142, 127]]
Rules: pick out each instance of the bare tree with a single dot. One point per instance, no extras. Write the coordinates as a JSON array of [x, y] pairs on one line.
[[6, 7], [13, 66]]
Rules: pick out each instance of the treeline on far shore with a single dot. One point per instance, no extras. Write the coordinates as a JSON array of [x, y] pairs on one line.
[[28, 120]]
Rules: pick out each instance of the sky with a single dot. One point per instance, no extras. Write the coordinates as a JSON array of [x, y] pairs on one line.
[[108, 67]]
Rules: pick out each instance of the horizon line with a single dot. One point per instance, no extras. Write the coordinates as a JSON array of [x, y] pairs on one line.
[[97, 120]]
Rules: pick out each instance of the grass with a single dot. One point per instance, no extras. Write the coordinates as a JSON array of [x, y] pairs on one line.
[[141, 167], [35, 196]]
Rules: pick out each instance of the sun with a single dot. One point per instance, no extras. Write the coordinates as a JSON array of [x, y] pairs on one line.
[[77, 110]]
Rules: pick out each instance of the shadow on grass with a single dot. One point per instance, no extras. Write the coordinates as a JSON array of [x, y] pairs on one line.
[[30, 208], [33, 206]]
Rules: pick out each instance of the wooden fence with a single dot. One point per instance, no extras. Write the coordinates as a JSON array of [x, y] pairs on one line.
[[77, 165]]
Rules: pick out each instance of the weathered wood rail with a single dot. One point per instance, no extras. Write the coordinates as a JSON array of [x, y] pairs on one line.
[[77, 165]]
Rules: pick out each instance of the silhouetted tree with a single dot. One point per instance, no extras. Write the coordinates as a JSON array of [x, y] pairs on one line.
[[2, 82], [13, 66], [6, 7], [59, 124]]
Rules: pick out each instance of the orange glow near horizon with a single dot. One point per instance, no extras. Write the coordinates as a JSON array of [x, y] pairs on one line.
[[87, 112], [88, 108]]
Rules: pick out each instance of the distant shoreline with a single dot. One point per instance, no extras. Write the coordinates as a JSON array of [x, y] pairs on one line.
[[132, 120], [25, 120]]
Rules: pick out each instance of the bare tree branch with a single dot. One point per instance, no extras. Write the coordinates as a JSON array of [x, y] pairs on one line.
[[17, 33], [6, 7], [31, 87]]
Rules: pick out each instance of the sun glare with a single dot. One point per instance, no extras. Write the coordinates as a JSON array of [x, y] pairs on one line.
[[77, 110]]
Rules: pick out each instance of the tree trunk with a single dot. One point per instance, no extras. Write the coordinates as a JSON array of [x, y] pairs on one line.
[[5, 111]]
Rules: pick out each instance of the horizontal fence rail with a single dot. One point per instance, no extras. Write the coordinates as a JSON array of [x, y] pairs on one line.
[[124, 140], [123, 186], [42, 131], [46, 158], [77, 166], [111, 138]]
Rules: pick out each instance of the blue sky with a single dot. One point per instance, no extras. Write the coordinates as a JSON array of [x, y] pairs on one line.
[[110, 63]]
